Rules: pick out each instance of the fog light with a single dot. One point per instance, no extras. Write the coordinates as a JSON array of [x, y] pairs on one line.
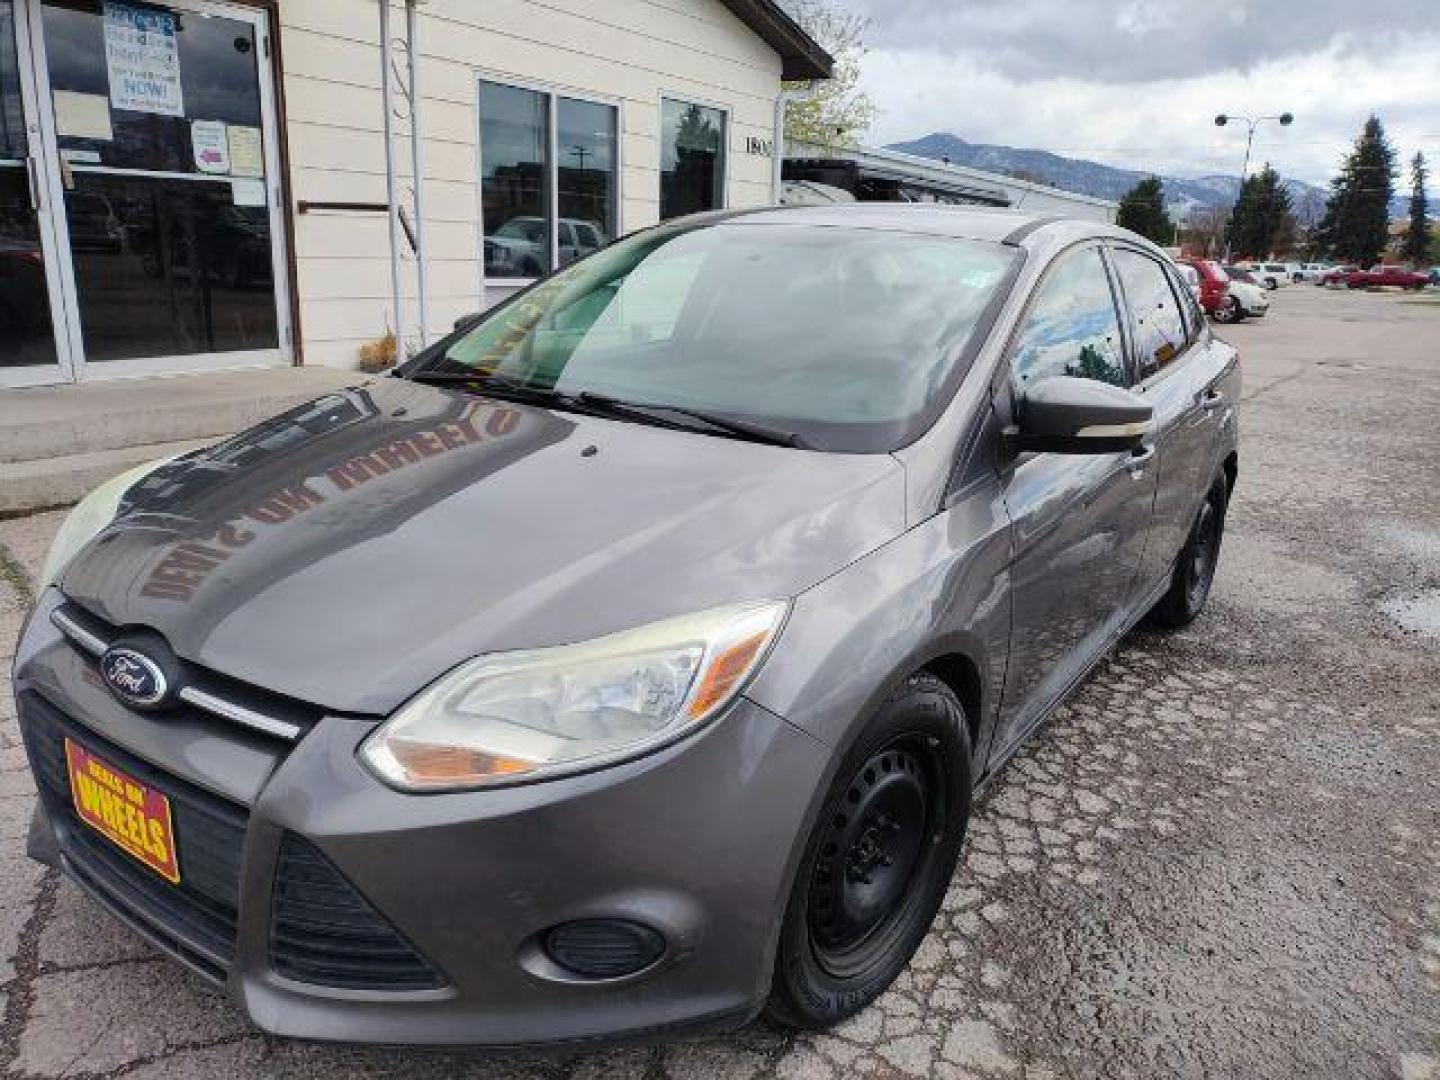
[[603, 948]]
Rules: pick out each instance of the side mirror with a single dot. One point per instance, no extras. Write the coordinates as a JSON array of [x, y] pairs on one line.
[[1067, 415], [465, 322]]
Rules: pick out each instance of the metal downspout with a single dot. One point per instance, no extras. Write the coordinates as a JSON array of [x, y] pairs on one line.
[[417, 169], [392, 200]]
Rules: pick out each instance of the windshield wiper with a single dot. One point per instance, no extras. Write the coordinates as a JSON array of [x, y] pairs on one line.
[[498, 385], [745, 429], [588, 401]]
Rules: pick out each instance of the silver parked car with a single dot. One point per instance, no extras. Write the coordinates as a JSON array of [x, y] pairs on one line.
[[633, 658]]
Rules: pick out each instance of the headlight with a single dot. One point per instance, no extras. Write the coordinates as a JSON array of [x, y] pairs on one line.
[[90, 515], [528, 715]]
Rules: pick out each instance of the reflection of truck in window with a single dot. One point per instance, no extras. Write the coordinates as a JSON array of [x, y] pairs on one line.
[[518, 247]]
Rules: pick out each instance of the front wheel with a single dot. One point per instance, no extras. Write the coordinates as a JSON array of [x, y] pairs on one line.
[[1194, 571], [878, 860]]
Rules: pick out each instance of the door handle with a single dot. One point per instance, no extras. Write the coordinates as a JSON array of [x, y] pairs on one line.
[[32, 177], [1211, 399], [1139, 458]]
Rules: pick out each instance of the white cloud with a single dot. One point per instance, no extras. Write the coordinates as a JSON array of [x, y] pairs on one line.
[[1166, 123]]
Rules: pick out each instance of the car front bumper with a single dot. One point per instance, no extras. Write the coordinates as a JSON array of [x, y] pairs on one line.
[[697, 842]]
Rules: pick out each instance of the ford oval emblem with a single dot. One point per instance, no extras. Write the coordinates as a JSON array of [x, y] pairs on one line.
[[133, 677]]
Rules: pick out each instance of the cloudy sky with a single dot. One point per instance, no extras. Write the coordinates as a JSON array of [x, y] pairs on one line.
[[1137, 83]]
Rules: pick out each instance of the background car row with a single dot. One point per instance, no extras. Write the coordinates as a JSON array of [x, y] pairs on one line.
[[1227, 293]]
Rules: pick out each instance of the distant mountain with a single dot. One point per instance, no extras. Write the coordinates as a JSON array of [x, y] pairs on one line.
[[1183, 195]]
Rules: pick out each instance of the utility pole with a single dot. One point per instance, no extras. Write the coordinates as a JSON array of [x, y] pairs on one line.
[[1285, 119]]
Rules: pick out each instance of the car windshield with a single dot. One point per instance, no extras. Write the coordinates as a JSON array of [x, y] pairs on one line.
[[1236, 274], [851, 339]]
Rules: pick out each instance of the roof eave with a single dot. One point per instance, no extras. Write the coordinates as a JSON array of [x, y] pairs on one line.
[[801, 56]]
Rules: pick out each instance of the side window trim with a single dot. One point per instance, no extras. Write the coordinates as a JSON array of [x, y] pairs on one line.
[[1122, 314]]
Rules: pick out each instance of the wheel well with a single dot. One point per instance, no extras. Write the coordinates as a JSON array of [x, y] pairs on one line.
[[960, 674], [1232, 472]]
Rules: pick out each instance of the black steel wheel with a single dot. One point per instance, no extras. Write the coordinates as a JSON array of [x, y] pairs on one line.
[[1194, 571], [1204, 553], [878, 859], [869, 852]]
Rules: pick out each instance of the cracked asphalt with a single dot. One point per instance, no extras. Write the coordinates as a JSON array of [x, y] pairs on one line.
[[1220, 859]]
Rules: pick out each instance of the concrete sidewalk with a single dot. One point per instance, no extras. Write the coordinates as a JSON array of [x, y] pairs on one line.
[[58, 442]]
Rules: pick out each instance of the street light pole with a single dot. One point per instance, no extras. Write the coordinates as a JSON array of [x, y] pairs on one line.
[[1285, 119]]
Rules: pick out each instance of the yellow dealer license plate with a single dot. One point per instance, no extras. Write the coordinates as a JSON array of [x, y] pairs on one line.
[[124, 811]]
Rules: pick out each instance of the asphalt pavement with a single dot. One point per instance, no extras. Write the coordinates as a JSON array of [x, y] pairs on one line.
[[1221, 859]]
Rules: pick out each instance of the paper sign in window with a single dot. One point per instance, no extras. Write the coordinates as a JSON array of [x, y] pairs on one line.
[[210, 146], [247, 157], [142, 58], [82, 116]]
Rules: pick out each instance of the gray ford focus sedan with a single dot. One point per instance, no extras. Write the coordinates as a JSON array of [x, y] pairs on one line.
[[631, 659]]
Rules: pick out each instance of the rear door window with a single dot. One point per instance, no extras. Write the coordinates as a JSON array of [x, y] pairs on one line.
[[1194, 316], [1158, 327]]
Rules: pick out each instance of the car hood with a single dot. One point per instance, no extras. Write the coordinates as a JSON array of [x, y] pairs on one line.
[[351, 550], [1249, 294]]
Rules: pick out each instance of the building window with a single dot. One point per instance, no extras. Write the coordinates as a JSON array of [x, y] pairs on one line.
[[692, 158], [548, 179]]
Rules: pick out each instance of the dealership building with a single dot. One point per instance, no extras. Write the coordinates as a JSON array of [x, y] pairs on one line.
[[195, 185]]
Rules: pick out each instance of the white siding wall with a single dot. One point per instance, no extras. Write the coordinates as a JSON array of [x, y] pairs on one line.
[[631, 51]]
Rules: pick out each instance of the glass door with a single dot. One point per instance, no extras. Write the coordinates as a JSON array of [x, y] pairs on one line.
[[28, 353], [161, 125]]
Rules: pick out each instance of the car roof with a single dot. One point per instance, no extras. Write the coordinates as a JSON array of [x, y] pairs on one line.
[[995, 224]]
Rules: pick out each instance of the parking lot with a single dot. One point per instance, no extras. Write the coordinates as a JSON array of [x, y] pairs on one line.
[[1221, 859]]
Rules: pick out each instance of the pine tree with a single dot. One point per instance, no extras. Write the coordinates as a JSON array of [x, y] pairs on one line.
[[1418, 237], [1142, 210], [1262, 221], [1357, 215]]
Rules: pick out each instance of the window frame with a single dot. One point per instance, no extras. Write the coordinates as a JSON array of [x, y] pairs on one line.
[[1097, 245], [690, 99], [1143, 382], [553, 92]]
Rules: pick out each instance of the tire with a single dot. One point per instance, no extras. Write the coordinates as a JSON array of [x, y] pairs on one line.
[[1194, 571], [1271, 284], [879, 858], [1230, 311]]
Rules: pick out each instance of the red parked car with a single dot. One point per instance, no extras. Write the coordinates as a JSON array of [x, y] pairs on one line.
[[1377, 275], [1215, 295]]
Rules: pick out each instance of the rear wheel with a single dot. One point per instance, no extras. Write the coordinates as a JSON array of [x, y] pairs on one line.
[[1194, 571], [878, 860], [1230, 311]]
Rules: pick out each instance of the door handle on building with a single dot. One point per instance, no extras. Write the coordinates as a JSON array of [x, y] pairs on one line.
[[32, 177]]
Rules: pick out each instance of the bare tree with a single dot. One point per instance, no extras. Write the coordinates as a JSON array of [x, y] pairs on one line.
[[1204, 231], [836, 112]]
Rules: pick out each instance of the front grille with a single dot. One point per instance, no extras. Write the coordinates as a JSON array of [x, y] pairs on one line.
[[195, 919], [202, 691], [323, 931]]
